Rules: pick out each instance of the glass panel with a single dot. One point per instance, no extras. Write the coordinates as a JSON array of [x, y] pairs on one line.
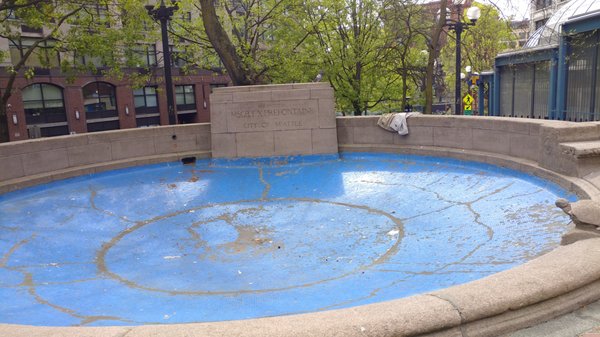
[[15, 54], [523, 86], [89, 91], [108, 103], [54, 103], [51, 59], [33, 105], [138, 92], [190, 98], [541, 90], [52, 92], [35, 60], [579, 78], [151, 55], [27, 42], [151, 100], [139, 101], [32, 93], [105, 89], [506, 91], [150, 90], [179, 98]]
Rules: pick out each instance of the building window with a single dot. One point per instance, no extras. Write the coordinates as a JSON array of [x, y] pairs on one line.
[[540, 23], [146, 101], [541, 4], [44, 56], [97, 11], [177, 57], [186, 16], [45, 110], [143, 55], [185, 98], [100, 105]]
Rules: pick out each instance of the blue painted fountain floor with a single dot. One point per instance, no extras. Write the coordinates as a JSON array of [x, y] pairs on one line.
[[235, 239]]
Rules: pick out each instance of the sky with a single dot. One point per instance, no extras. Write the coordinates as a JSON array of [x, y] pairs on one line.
[[517, 8]]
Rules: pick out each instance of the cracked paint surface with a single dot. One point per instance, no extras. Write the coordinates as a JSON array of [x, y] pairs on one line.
[[236, 239]]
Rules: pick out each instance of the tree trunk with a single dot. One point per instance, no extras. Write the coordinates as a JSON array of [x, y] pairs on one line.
[[223, 46], [3, 124], [434, 52], [357, 107], [404, 87], [4, 137]]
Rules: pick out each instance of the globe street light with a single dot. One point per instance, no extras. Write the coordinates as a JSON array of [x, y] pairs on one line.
[[163, 14], [458, 26]]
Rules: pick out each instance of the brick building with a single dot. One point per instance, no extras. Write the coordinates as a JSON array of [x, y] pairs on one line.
[[52, 103]]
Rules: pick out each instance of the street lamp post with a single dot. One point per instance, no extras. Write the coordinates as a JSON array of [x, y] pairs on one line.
[[163, 14], [459, 26]]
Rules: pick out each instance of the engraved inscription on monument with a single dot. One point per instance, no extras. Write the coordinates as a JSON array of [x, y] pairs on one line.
[[283, 115]]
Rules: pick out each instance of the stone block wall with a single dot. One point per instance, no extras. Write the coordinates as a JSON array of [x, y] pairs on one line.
[[273, 120], [539, 141], [31, 162]]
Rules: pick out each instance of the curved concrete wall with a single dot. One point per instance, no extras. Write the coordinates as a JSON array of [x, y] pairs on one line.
[[32, 162], [558, 282], [566, 152]]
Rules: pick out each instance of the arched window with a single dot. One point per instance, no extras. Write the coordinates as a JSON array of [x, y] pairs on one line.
[[44, 110], [100, 104]]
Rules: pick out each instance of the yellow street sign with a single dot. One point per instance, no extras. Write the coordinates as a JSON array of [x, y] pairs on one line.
[[468, 99], [468, 107]]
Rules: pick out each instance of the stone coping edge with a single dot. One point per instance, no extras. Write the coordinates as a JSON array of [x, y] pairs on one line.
[[558, 282]]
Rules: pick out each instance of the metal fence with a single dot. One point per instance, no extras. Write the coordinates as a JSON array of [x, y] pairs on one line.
[[525, 90], [583, 79]]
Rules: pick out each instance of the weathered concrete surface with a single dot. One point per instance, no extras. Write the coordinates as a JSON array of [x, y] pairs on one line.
[[581, 322]]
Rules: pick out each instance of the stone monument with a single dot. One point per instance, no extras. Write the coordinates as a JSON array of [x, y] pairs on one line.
[[273, 120]]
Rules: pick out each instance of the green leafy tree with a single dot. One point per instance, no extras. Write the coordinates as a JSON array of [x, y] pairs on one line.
[[357, 51], [406, 20], [252, 38]]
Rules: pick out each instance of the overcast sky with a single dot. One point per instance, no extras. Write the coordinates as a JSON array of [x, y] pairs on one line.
[[517, 8]]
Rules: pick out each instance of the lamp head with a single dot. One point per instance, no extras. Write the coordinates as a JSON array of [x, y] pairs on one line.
[[468, 69], [473, 14]]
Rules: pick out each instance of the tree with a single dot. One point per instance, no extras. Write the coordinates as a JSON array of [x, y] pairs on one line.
[[433, 49], [259, 33], [77, 29], [407, 22], [357, 51]]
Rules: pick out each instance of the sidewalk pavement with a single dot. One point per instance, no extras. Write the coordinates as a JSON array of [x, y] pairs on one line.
[[584, 322]]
